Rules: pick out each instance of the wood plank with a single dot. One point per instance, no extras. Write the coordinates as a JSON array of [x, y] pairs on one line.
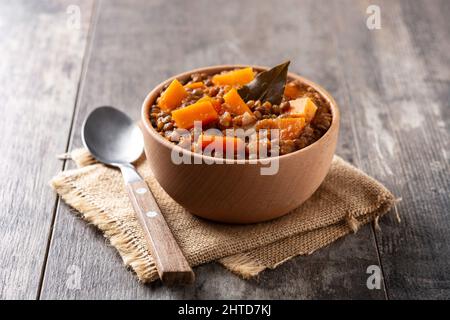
[[129, 56], [400, 120], [40, 63]]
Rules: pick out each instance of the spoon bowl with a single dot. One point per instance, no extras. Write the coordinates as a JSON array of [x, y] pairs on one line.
[[112, 137]]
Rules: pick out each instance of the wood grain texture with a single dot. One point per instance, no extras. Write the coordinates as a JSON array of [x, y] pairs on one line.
[[172, 266], [40, 63], [128, 58], [397, 83]]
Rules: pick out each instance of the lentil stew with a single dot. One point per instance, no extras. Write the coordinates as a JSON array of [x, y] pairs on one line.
[[301, 117]]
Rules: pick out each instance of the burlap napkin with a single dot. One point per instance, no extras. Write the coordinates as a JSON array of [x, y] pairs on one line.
[[346, 200]]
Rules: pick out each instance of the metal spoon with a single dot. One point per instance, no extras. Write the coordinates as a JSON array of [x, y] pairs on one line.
[[114, 139]]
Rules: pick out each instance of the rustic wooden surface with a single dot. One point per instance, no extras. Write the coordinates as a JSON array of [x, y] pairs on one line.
[[392, 85], [40, 65]]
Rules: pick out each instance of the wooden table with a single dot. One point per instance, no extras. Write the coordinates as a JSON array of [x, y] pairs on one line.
[[392, 84]]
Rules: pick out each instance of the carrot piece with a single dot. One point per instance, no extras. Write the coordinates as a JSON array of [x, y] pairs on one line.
[[291, 90], [235, 102], [172, 96], [221, 142], [303, 107], [195, 85], [235, 77], [200, 111], [216, 103], [205, 98], [290, 128]]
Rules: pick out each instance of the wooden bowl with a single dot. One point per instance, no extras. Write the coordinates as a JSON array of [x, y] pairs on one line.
[[237, 192]]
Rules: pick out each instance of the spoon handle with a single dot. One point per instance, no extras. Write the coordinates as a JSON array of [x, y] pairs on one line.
[[171, 264]]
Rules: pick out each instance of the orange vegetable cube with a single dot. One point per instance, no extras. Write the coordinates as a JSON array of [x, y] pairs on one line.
[[195, 85], [200, 111], [291, 90], [221, 142], [205, 98], [235, 102], [290, 128], [303, 107], [172, 96], [234, 78], [216, 103]]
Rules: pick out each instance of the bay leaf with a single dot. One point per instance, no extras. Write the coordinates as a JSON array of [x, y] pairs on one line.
[[267, 85]]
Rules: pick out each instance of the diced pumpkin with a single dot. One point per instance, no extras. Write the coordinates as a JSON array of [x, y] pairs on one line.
[[195, 85], [234, 78], [223, 142], [291, 90], [235, 102], [216, 103], [171, 98], [200, 111], [205, 98], [303, 107], [290, 128]]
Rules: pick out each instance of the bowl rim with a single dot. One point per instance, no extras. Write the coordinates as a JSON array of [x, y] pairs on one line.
[[152, 95]]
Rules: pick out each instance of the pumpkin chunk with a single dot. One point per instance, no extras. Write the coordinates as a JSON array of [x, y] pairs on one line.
[[235, 102], [290, 128], [172, 96], [195, 85], [291, 90], [200, 111], [222, 142], [303, 107], [234, 78], [216, 103]]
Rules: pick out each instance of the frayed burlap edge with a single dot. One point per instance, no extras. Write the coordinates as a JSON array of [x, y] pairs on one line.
[[243, 265], [133, 255], [247, 266]]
